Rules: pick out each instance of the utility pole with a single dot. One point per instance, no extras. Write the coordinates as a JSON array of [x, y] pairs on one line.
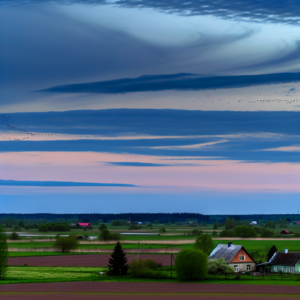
[[171, 264]]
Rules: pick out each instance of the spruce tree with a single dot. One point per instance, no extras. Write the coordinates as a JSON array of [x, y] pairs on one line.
[[271, 252], [3, 253], [117, 264]]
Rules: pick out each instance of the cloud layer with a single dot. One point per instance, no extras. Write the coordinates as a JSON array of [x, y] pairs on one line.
[[175, 82], [59, 183]]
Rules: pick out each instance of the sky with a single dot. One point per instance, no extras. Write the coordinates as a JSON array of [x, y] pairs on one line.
[[150, 106]]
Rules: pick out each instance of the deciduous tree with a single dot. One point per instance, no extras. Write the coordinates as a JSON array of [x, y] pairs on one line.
[[205, 243]]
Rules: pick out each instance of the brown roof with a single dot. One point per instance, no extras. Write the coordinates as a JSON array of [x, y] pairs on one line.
[[286, 259], [223, 251]]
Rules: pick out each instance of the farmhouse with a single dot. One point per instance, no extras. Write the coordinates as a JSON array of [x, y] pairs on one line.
[[284, 232], [284, 261], [236, 257], [84, 225]]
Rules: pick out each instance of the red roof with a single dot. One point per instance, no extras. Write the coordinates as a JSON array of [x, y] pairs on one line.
[[298, 223], [84, 224], [284, 231]]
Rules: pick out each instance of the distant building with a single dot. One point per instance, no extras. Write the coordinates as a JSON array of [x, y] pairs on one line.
[[253, 223], [84, 225], [284, 232], [79, 237], [236, 257], [283, 261]]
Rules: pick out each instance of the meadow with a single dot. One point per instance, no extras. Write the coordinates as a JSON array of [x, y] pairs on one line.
[[25, 274]]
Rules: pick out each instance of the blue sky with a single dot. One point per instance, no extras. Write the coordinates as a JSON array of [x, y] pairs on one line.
[[189, 106]]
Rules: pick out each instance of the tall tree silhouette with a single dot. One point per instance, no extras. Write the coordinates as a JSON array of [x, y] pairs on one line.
[[3, 253], [271, 252], [117, 264]]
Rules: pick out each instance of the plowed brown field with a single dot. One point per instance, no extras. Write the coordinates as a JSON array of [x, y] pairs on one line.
[[89, 260], [145, 291]]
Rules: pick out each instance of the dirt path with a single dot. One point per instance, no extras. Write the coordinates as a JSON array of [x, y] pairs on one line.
[[145, 291]]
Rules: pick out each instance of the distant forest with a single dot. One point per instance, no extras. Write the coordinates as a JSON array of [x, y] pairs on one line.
[[149, 217]]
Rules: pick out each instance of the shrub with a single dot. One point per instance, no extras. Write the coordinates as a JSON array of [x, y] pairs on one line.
[[191, 265], [43, 228], [134, 227], [115, 236], [218, 266], [297, 234], [145, 269], [267, 233], [60, 227], [150, 264], [104, 235], [195, 232], [102, 227], [205, 243], [226, 233], [66, 243], [162, 230], [14, 236]]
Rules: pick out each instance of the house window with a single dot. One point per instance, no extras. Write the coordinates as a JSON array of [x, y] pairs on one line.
[[248, 267], [284, 269], [236, 268], [242, 257], [275, 269], [291, 270]]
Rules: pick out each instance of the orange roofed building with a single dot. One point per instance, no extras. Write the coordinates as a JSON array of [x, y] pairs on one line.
[[236, 257]]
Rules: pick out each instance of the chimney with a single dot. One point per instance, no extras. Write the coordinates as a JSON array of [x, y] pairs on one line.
[[229, 244], [286, 251]]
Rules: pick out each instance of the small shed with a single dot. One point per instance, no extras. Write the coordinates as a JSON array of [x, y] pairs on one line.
[[284, 232], [236, 256]]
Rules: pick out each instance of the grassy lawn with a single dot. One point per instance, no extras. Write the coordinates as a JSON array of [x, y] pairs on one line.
[[65, 274], [51, 274]]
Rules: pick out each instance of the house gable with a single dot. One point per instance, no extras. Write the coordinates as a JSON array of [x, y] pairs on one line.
[[245, 254]]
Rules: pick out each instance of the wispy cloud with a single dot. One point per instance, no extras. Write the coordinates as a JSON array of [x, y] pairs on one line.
[[285, 149], [60, 183], [181, 81]]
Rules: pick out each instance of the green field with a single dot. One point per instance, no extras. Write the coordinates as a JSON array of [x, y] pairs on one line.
[[65, 274]]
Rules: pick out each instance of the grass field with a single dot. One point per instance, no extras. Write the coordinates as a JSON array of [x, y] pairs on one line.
[[67, 274]]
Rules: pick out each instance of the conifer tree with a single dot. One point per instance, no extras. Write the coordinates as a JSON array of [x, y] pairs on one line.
[[271, 252], [117, 264], [3, 254]]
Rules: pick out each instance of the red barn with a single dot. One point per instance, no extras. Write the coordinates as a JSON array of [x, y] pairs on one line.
[[84, 225], [284, 232]]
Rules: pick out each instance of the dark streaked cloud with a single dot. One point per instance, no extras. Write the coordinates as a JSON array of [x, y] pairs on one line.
[[181, 81], [136, 164], [156, 122], [59, 183], [271, 11]]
